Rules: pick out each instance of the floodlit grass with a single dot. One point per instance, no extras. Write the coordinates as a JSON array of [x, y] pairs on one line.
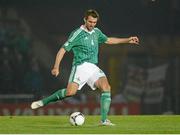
[[142, 124]]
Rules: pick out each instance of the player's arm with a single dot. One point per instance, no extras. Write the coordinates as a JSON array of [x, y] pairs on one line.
[[59, 56], [114, 40]]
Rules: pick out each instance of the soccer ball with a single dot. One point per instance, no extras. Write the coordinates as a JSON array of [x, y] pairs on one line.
[[77, 119]]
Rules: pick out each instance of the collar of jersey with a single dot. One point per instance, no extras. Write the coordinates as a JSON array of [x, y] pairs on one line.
[[90, 32]]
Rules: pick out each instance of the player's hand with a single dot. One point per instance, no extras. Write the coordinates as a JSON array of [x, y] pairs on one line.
[[55, 72], [134, 40]]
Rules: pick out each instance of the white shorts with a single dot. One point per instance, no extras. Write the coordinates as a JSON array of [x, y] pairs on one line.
[[86, 73]]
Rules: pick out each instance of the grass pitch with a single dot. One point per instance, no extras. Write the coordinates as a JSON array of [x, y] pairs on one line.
[[159, 124]]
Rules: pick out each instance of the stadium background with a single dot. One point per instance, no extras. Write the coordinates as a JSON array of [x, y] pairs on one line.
[[144, 79]]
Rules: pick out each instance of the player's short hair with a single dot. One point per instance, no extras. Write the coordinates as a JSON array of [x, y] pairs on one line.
[[91, 12]]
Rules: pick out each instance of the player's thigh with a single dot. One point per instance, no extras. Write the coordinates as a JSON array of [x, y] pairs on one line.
[[103, 84], [72, 88], [80, 74]]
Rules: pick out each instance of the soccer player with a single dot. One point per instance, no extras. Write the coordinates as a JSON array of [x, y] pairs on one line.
[[85, 42]]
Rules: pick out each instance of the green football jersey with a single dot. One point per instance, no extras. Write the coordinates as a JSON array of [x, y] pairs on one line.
[[85, 45]]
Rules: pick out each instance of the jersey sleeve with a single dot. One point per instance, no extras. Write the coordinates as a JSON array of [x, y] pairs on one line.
[[69, 43], [102, 38]]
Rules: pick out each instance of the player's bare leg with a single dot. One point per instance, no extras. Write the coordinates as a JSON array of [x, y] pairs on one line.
[[103, 84], [58, 95], [72, 89]]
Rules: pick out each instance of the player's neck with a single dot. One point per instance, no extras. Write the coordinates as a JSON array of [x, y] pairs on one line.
[[85, 29], [84, 26]]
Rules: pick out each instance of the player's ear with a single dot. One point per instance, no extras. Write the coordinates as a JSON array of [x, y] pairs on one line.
[[84, 20]]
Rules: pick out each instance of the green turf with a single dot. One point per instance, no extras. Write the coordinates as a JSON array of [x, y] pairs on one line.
[[159, 124]]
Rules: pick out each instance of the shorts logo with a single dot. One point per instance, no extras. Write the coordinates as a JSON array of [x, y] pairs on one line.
[[78, 79]]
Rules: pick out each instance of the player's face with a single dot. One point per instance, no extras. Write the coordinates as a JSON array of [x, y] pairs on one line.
[[90, 23]]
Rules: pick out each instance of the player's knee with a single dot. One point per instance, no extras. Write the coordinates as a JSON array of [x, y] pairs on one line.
[[70, 92], [106, 87], [71, 89]]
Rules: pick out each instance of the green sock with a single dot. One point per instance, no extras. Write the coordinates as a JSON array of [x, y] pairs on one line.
[[105, 105], [58, 95]]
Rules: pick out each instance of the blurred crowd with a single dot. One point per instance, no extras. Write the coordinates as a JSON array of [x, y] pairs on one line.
[[19, 70]]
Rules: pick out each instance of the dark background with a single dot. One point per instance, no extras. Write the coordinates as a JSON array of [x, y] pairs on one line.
[[31, 32]]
